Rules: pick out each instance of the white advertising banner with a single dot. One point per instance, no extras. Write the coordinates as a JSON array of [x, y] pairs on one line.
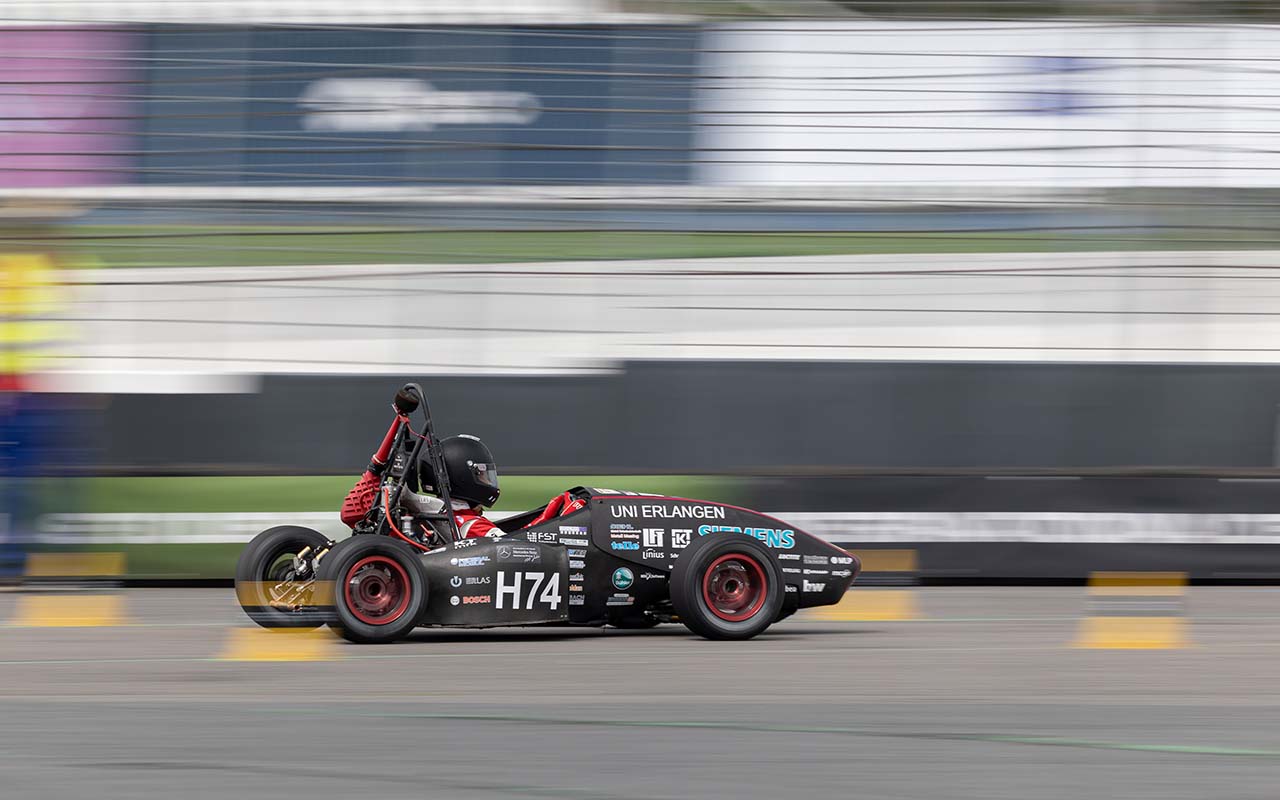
[[1019, 104]]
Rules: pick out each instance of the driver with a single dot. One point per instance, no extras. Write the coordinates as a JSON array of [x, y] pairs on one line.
[[473, 483]]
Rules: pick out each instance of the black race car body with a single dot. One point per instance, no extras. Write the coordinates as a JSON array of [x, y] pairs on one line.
[[616, 558], [612, 561]]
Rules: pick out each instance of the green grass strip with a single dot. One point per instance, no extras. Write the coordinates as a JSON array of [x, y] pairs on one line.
[[143, 246]]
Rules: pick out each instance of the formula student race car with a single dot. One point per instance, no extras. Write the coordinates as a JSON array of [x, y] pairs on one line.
[[616, 558]]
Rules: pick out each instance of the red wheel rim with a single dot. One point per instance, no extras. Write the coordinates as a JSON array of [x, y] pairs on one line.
[[734, 587], [377, 590]]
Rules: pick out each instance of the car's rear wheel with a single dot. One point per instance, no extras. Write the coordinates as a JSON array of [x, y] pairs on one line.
[[274, 578], [379, 589], [727, 586]]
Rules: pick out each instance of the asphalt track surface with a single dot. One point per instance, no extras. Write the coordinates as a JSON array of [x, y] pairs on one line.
[[983, 698]]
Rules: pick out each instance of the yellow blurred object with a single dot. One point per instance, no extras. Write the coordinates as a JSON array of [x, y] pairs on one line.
[[886, 560], [870, 605], [279, 644], [71, 610], [1133, 633], [1135, 611], [75, 565], [29, 295]]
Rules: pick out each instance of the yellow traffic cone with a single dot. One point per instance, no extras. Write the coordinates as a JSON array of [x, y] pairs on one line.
[[279, 644], [867, 600], [77, 598], [1135, 611]]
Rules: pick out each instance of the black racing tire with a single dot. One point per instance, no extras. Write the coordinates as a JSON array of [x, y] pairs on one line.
[[266, 563], [379, 589], [727, 586]]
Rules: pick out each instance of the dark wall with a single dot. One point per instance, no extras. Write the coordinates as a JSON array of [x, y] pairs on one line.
[[729, 416]]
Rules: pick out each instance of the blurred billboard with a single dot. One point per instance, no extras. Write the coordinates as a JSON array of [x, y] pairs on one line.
[[68, 115], [1018, 103], [403, 105]]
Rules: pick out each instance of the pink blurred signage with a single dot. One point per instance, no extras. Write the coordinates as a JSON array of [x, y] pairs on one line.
[[65, 112]]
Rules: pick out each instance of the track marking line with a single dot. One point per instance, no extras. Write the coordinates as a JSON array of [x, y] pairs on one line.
[[1044, 741]]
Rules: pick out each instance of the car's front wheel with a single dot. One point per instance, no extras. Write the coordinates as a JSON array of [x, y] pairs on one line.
[[727, 586], [274, 577]]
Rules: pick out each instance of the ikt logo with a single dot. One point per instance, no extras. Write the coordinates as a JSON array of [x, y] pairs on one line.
[[680, 537], [653, 537]]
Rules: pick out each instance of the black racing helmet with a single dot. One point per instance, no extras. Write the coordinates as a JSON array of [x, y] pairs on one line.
[[472, 474]]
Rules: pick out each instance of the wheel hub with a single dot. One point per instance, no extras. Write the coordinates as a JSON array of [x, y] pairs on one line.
[[377, 590], [734, 587]]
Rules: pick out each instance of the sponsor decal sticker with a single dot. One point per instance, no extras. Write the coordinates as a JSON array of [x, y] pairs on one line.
[[680, 537], [476, 599], [790, 588], [791, 570], [577, 553], [841, 573], [841, 559], [653, 537], [453, 601], [772, 537], [465, 543], [469, 561], [573, 530], [620, 600], [574, 542], [519, 552], [816, 572], [623, 578], [651, 576], [455, 581], [478, 580], [788, 556], [576, 600], [577, 576], [575, 587], [624, 545], [547, 537], [577, 564], [656, 554], [810, 586], [816, 560]]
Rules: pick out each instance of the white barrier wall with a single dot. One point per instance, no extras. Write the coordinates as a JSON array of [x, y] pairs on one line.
[[1008, 104]]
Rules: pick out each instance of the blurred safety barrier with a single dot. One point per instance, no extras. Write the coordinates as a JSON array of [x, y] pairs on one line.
[[72, 590], [279, 644], [1135, 611], [874, 596]]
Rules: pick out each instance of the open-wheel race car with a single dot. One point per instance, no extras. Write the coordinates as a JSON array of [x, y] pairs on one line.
[[593, 557]]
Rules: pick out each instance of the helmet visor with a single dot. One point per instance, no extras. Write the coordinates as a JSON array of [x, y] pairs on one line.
[[485, 474]]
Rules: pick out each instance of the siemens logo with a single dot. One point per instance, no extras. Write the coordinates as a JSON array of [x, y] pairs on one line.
[[624, 545], [781, 540]]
